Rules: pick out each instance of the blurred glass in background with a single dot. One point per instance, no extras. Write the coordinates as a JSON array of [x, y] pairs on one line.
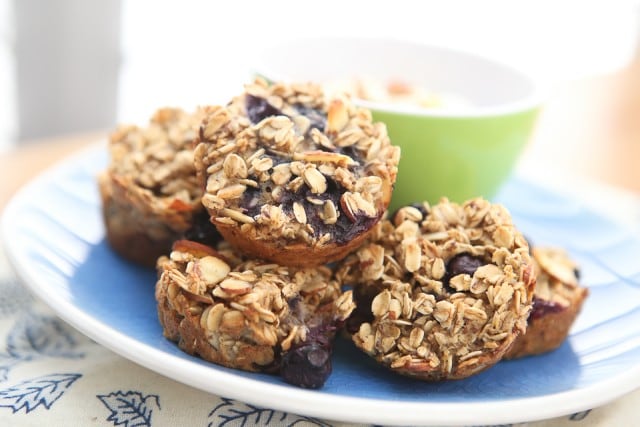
[[8, 121], [70, 66]]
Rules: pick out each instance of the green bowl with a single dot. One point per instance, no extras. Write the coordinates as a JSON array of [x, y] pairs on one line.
[[461, 152], [453, 157]]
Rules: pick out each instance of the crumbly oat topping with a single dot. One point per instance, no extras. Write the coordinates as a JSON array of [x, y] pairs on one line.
[[159, 156], [283, 162], [557, 301], [448, 286], [248, 305], [557, 277]]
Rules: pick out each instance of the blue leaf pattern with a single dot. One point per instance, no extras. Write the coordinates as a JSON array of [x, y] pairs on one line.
[[232, 413], [6, 363], [579, 416], [130, 409], [41, 391], [36, 335]]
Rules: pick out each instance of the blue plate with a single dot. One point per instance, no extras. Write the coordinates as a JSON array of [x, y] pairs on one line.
[[55, 239]]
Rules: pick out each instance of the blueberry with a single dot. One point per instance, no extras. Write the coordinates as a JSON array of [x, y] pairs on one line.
[[317, 118], [251, 201], [463, 263], [344, 229], [543, 307], [259, 109], [363, 297], [306, 366], [202, 230]]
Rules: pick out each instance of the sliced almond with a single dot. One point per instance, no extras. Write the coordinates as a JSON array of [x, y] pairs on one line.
[[354, 205], [194, 248], [337, 116], [235, 287], [324, 156], [211, 270], [556, 264]]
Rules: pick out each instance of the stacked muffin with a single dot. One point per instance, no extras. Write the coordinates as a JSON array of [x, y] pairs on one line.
[[260, 214]]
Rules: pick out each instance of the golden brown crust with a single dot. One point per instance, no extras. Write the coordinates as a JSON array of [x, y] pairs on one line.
[[149, 191], [558, 300], [548, 332], [139, 226], [181, 323], [243, 314], [293, 177], [449, 289], [295, 254]]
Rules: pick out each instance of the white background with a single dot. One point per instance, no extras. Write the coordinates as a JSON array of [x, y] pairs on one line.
[[188, 52], [199, 52]]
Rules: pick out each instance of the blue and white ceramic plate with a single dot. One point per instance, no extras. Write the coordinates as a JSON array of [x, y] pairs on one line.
[[55, 239]]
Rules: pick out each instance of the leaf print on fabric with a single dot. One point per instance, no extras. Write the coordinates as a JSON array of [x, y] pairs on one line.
[[35, 335], [6, 363], [579, 416], [130, 409], [33, 393], [237, 414]]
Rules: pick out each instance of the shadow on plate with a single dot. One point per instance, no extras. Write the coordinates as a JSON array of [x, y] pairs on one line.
[[356, 374]]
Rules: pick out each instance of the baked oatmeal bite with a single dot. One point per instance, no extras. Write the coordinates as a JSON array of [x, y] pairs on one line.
[[150, 194], [557, 301], [293, 177], [249, 314], [441, 291]]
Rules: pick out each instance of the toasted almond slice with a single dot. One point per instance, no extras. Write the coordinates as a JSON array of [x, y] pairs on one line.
[[324, 156], [556, 264], [235, 286], [194, 248], [211, 270], [337, 116]]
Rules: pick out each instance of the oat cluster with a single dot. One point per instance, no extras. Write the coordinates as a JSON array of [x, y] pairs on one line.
[[150, 193], [557, 301], [428, 320], [293, 180], [159, 157], [283, 163], [556, 276], [241, 313]]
